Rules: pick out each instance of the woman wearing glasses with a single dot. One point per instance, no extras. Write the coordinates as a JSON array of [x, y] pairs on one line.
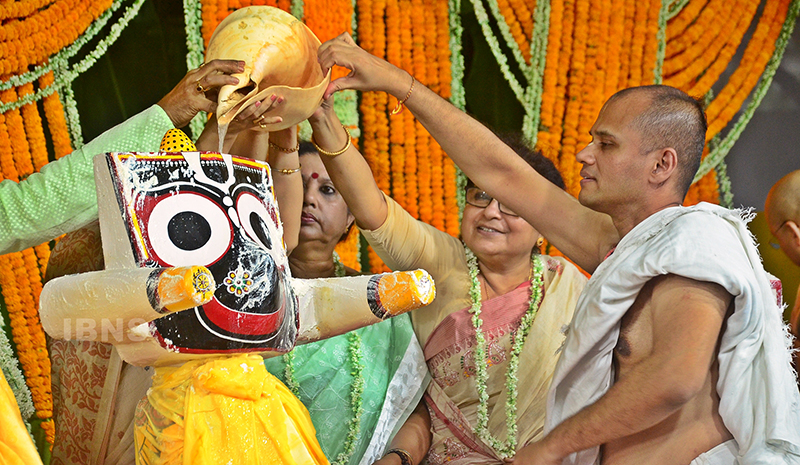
[[491, 337]]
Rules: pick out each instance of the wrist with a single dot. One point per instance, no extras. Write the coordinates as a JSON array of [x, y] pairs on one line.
[[283, 138], [329, 133], [552, 448], [399, 456], [168, 110], [325, 120], [400, 83]]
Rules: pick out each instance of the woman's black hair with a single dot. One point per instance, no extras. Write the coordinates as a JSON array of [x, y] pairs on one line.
[[306, 147], [533, 157]]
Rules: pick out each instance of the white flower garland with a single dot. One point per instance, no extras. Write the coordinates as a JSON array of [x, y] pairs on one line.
[[494, 45], [457, 93], [193, 19], [539, 40], [661, 37], [508, 448], [16, 380]]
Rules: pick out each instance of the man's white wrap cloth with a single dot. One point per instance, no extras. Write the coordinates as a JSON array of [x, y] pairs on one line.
[[759, 400]]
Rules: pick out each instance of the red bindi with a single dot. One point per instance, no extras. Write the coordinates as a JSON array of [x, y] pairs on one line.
[[314, 175]]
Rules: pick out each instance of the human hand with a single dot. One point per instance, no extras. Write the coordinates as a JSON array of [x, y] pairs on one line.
[[256, 115], [367, 72], [323, 113], [198, 89], [536, 453], [326, 128]]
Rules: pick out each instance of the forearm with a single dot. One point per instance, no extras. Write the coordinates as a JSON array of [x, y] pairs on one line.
[[250, 144], [350, 173], [61, 198], [414, 437], [649, 393], [495, 167], [287, 180]]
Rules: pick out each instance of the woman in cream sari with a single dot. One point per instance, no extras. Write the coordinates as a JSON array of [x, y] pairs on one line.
[[485, 403]]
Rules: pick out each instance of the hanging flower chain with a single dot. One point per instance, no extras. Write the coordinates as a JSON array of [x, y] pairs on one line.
[[507, 449], [356, 402], [357, 371]]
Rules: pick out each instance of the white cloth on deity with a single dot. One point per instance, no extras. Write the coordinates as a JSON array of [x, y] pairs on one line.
[[759, 399]]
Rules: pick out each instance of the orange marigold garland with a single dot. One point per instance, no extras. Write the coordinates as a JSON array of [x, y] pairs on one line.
[[31, 40], [683, 69], [20, 278], [564, 59], [20, 9], [433, 55], [451, 71], [693, 36], [687, 16], [758, 52], [421, 166], [34, 130], [405, 174], [397, 136], [16, 133], [707, 39], [614, 51], [710, 74], [650, 48], [569, 142], [594, 74], [56, 121], [516, 28], [546, 138], [627, 39]]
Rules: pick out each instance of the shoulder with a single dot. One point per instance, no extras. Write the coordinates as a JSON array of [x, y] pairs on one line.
[[706, 220], [558, 270]]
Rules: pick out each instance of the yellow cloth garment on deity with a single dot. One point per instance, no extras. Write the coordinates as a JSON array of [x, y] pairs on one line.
[[16, 446], [223, 411]]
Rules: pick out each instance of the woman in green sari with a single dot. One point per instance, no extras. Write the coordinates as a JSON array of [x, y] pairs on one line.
[[359, 387]]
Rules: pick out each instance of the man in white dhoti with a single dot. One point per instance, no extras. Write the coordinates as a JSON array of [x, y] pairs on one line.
[[677, 353]]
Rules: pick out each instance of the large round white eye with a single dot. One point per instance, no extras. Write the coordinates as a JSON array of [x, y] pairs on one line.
[[256, 220], [189, 229]]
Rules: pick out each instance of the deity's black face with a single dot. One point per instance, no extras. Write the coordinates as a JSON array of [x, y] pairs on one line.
[[219, 212]]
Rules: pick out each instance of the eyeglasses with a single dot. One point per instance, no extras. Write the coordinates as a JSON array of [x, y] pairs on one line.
[[772, 241], [478, 198]]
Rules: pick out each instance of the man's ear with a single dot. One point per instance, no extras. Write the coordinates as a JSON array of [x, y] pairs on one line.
[[793, 230], [664, 166]]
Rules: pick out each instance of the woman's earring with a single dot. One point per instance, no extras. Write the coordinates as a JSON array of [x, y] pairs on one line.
[[540, 241]]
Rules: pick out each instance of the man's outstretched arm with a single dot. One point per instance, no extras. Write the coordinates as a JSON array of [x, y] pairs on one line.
[[582, 234], [686, 319]]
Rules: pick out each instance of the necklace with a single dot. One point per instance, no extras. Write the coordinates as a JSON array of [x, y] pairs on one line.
[[509, 447], [357, 387]]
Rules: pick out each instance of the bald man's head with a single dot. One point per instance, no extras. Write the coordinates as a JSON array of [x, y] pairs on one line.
[[672, 119], [783, 214]]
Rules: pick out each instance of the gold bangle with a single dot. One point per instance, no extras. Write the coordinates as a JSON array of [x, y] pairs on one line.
[[282, 149], [334, 154], [399, 108], [290, 171], [405, 457]]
